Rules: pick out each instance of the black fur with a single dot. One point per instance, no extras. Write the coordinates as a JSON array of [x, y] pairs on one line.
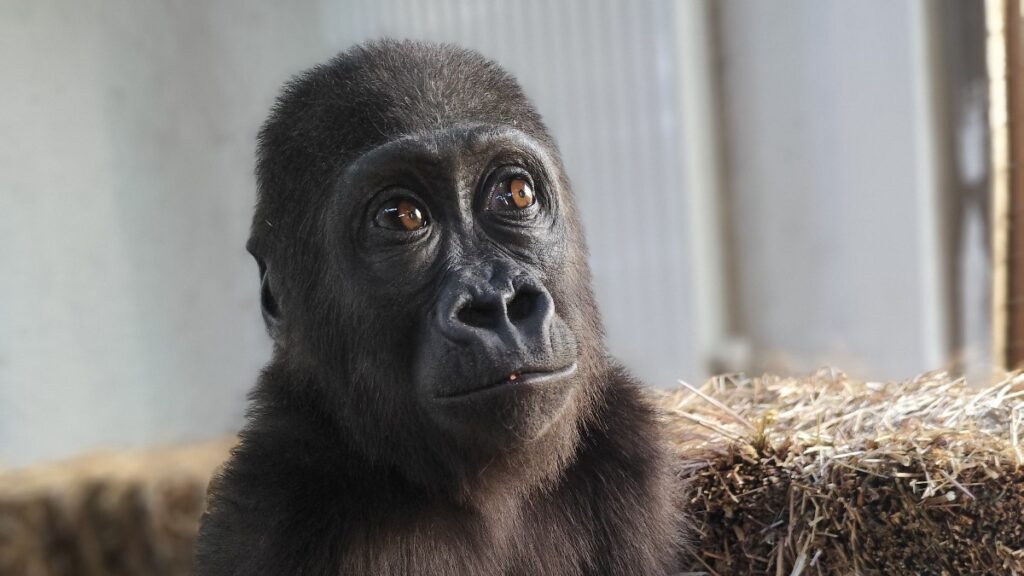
[[386, 435]]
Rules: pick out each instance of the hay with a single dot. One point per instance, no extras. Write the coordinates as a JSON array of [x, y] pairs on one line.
[[819, 475], [108, 514], [829, 475]]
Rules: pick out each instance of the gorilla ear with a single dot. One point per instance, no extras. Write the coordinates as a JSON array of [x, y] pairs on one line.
[[268, 300]]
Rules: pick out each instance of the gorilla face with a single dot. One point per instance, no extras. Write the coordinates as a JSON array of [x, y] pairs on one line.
[[457, 235], [422, 264]]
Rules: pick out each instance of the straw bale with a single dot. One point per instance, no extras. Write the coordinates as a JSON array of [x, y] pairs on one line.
[[831, 475], [107, 514]]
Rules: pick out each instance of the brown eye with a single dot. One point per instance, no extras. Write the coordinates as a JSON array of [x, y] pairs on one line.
[[402, 214], [512, 194], [522, 193]]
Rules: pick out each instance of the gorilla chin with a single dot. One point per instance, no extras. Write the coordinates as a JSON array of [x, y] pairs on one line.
[[514, 410]]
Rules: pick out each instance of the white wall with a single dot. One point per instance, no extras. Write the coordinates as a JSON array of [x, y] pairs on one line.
[[128, 306], [832, 183]]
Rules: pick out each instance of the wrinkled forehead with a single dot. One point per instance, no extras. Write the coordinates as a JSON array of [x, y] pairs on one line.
[[454, 150]]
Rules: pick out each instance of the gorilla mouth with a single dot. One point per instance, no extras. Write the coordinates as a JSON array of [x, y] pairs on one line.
[[517, 379]]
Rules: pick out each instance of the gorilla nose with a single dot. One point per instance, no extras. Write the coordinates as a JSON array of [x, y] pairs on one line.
[[517, 314]]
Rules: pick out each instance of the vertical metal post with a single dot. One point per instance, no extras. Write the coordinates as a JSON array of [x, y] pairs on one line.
[[997, 15]]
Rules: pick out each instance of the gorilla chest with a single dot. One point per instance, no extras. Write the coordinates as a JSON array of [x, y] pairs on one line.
[[551, 540]]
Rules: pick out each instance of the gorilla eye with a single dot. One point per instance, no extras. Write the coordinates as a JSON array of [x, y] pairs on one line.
[[402, 214], [511, 194]]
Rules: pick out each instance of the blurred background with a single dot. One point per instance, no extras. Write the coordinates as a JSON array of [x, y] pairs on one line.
[[765, 186]]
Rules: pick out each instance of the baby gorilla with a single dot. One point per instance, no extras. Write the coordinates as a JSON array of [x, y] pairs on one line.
[[440, 400]]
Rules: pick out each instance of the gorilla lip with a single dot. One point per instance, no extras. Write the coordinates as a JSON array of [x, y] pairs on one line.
[[517, 378]]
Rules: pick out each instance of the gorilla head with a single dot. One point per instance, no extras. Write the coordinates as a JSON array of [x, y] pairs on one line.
[[422, 259], [440, 400]]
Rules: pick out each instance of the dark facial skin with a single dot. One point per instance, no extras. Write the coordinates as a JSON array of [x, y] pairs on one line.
[[478, 264], [440, 400]]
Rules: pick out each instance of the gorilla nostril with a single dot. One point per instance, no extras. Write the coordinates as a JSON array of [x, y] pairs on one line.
[[478, 316], [491, 311], [522, 305]]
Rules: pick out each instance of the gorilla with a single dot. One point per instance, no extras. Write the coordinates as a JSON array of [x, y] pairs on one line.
[[440, 399]]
